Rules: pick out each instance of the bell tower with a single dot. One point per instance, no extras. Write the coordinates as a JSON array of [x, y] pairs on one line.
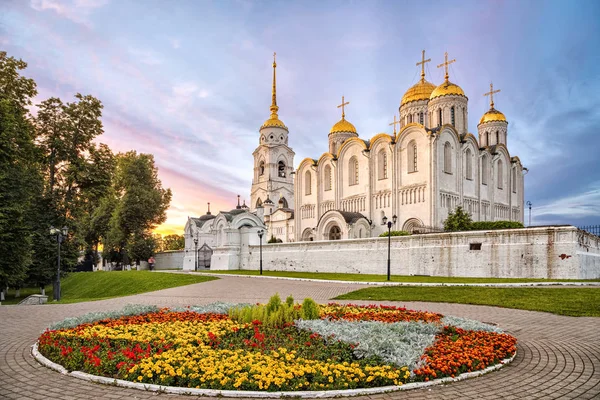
[[273, 159]]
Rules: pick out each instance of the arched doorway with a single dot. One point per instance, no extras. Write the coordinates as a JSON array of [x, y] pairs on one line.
[[335, 233]]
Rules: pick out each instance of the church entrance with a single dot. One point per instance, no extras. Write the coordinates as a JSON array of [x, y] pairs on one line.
[[335, 233]]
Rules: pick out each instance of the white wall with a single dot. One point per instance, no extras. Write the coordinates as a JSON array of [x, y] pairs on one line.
[[170, 260], [550, 252]]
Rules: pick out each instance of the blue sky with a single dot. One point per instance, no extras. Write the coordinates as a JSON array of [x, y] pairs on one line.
[[189, 81]]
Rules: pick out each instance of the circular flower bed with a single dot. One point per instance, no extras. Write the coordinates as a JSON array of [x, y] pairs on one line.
[[346, 347]]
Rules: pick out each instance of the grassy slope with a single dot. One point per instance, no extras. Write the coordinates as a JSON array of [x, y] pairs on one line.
[[394, 278], [86, 286], [563, 301]]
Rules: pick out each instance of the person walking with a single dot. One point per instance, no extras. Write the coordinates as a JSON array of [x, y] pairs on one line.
[[151, 263]]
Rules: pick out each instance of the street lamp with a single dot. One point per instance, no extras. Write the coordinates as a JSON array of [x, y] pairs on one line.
[[260, 235], [61, 234], [389, 225], [529, 204], [195, 254]]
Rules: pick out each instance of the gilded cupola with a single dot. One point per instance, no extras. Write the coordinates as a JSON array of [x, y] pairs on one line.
[[342, 125], [274, 121], [493, 126], [422, 89], [492, 115], [447, 88]]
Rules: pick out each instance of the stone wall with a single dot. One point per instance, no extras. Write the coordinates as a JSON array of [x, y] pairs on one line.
[[546, 252], [170, 260]]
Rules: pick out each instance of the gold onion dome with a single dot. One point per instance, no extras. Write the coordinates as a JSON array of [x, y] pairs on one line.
[[491, 116], [274, 121], [420, 91], [343, 126], [447, 88]]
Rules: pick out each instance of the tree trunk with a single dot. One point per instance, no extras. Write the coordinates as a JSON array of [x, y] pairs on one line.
[[17, 293]]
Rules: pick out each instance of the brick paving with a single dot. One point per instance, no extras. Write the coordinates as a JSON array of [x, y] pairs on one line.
[[558, 357]]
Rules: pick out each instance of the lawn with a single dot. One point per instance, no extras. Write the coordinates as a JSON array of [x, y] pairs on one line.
[[576, 302], [87, 286], [394, 278]]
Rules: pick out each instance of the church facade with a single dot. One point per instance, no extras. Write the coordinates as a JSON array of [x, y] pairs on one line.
[[419, 174]]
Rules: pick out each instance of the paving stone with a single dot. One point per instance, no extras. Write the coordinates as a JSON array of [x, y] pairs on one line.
[[557, 356]]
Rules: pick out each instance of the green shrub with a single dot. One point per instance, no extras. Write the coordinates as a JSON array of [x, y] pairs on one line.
[[491, 225], [289, 301], [310, 309], [272, 240], [274, 303], [459, 220], [395, 233]]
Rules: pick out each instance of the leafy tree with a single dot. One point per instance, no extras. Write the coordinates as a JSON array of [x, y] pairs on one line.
[[459, 220], [173, 242], [18, 171]]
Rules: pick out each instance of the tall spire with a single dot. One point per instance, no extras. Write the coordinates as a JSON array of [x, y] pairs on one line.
[[445, 64], [422, 64], [274, 107]]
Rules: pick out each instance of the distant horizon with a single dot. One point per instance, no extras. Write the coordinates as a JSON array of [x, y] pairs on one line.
[[190, 82]]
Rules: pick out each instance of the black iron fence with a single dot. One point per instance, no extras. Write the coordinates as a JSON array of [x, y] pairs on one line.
[[593, 229]]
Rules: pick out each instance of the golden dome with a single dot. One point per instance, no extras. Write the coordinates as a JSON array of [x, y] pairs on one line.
[[491, 116], [343, 126], [447, 89], [420, 91], [274, 122]]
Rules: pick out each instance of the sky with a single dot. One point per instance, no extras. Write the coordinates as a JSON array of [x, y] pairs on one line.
[[190, 81]]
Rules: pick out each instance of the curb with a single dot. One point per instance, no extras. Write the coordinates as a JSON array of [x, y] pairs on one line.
[[519, 284], [255, 394]]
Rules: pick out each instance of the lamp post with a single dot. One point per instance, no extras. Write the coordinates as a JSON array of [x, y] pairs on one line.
[[195, 254], [61, 234], [389, 225], [529, 205], [260, 235]]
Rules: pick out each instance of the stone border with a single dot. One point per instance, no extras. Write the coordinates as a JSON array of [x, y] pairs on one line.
[[385, 283], [256, 394]]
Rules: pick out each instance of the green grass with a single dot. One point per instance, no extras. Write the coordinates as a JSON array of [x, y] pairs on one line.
[[576, 302], [394, 278], [88, 286]]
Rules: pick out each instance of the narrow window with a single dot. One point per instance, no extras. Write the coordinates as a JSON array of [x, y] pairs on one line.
[[464, 118], [382, 164], [353, 171], [514, 180], [327, 174], [421, 118], [411, 159], [452, 116], [487, 139], [307, 183], [261, 168], [469, 165], [500, 177], [497, 137], [281, 169], [440, 117], [447, 158], [484, 170], [410, 118]]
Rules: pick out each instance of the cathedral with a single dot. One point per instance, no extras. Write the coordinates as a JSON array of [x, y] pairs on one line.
[[430, 165]]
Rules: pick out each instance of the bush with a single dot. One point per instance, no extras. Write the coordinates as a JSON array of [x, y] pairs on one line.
[[275, 313], [395, 233], [459, 220], [491, 225], [310, 309], [272, 240]]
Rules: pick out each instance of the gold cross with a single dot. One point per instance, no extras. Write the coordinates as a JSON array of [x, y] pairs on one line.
[[491, 94], [342, 105], [274, 54], [445, 64], [394, 123], [422, 64]]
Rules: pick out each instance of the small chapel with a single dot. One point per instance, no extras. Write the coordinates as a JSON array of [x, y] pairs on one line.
[[416, 176]]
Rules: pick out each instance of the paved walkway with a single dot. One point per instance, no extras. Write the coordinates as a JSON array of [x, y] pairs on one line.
[[558, 357]]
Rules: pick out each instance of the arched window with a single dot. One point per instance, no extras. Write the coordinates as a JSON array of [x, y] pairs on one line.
[[440, 117], [261, 168], [469, 164], [447, 158], [258, 203], [281, 169], [307, 183], [411, 157], [497, 137], [484, 170], [409, 118], [464, 118], [327, 177], [335, 233], [487, 139], [421, 121], [284, 202], [514, 180], [353, 171], [452, 116], [382, 164], [500, 175]]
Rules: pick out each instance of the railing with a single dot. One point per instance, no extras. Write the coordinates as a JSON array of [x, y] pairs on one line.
[[593, 229]]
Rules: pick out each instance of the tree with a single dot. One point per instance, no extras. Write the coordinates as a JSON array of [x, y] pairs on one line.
[[173, 242], [459, 220], [141, 204], [18, 171]]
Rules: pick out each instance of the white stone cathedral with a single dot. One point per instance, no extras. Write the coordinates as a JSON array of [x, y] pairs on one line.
[[419, 174]]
